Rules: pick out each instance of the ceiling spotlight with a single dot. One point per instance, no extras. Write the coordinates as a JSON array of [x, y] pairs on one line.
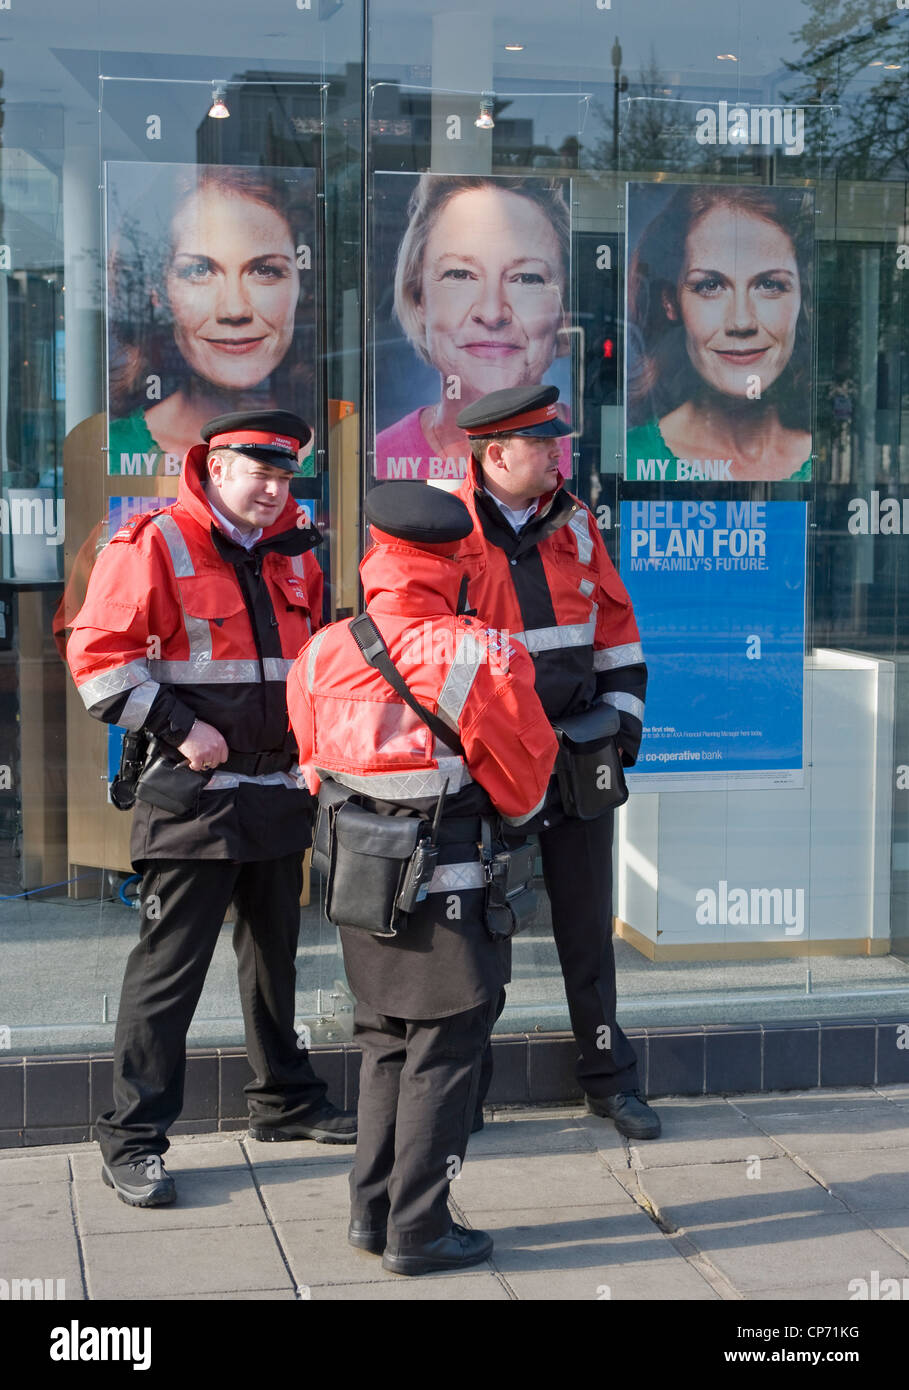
[[219, 111], [727, 58], [485, 121], [514, 48], [891, 67], [878, 63]]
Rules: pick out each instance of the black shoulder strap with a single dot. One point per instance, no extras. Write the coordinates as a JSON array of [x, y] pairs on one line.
[[375, 653]]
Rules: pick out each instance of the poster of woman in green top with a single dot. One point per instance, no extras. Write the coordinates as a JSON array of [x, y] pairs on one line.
[[211, 302], [719, 337]]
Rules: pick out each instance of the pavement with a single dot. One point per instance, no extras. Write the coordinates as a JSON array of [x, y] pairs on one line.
[[788, 1196]]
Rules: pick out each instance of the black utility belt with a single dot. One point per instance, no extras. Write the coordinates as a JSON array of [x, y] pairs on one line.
[[378, 869], [172, 785], [588, 764]]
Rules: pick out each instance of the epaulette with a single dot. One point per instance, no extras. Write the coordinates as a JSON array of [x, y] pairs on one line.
[[130, 529]]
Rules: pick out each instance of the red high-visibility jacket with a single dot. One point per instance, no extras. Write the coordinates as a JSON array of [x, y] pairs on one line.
[[553, 588], [180, 623], [352, 726]]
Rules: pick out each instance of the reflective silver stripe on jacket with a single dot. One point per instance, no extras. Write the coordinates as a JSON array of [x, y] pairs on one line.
[[198, 630], [135, 711], [579, 525], [277, 668], [228, 781], [314, 646], [620, 699], [469, 657], [113, 682], [586, 587], [630, 654], [545, 639], [424, 784], [449, 878], [201, 670]]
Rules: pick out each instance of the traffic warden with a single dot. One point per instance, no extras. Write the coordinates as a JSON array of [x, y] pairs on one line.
[[539, 570], [191, 622], [403, 713]]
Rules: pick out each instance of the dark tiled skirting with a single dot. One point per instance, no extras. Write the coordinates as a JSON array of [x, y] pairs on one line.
[[53, 1100]]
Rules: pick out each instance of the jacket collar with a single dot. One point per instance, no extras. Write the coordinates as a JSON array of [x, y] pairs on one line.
[[403, 580]]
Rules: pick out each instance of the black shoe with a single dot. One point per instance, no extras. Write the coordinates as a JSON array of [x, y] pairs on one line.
[[455, 1250], [140, 1182], [327, 1125], [371, 1238], [632, 1116]]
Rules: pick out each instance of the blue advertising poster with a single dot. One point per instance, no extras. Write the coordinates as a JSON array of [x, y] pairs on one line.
[[719, 593]]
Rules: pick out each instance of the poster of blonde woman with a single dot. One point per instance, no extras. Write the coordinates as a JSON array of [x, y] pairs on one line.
[[472, 288], [211, 279], [719, 333]]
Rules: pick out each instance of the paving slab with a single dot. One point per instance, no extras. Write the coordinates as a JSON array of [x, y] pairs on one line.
[[305, 1191], [865, 1179], [36, 1211], [804, 1293], [208, 1197], [287, 1295], [722, 1194], [162, 1264], [543, 1136], [279, 1152], [54, 1168], [893, 1226], [52, 1257], [815, 1101], [653, 1280], [872, 1125], [466, 1287], [536, 1180], [706, 1133], [795, 1251], [536, 1241]]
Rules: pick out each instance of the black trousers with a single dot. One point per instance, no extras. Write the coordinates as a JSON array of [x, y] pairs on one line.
[[577, 871], [183, 907], [418, 1091]]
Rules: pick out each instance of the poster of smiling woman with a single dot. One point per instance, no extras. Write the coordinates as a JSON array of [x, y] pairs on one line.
[[211, 302], [471, 292], [719, 333]]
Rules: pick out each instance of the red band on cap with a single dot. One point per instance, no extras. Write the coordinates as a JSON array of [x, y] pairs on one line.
[[515, 422], [272, 441]]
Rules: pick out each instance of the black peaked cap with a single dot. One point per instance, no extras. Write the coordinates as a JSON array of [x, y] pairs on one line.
[[418, 513], [289, 433], [500, 412]]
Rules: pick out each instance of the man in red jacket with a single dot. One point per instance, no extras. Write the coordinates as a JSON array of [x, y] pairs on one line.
[[191, 622], [426, 997], [538, 567]]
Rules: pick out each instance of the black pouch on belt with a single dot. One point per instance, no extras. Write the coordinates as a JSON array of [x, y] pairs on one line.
[[511, 902], [589, 765], [369, 859], [169, 785]]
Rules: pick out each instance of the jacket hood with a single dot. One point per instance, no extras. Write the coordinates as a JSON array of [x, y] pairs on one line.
[[192, 498], [410, 582]]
